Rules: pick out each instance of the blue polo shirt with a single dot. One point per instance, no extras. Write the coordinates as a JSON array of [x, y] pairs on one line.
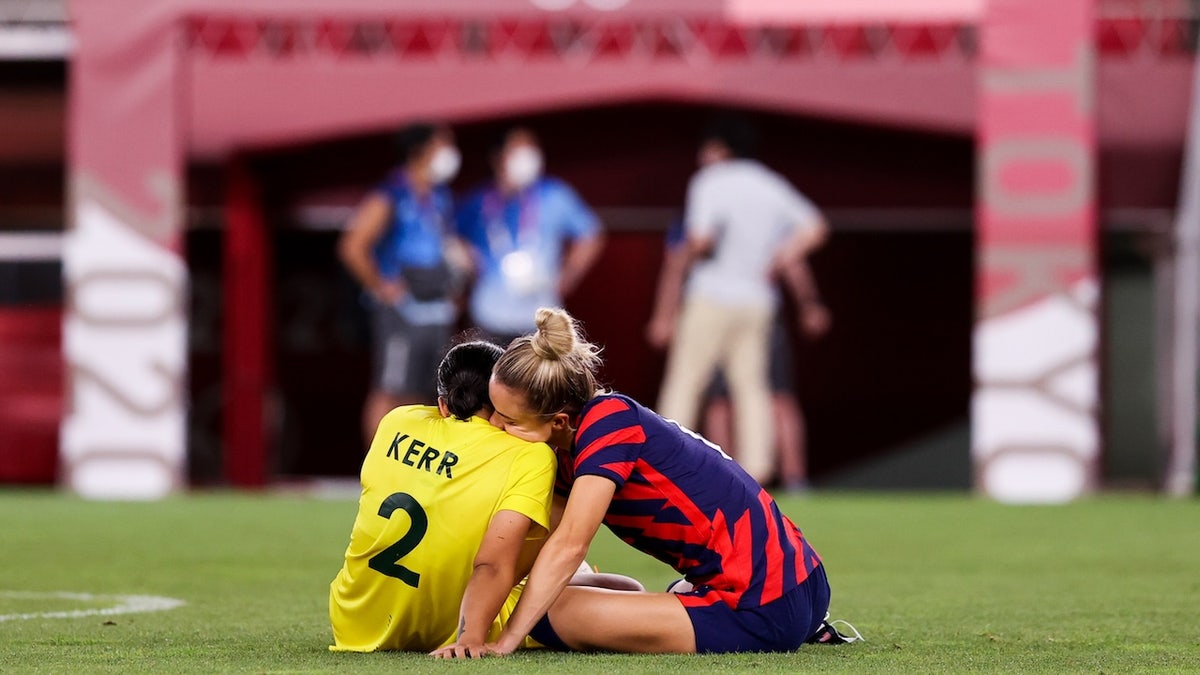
[[419, 225], [518, 242], [413, 248]]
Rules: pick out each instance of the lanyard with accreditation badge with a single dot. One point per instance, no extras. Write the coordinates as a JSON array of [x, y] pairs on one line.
[[514, 250]]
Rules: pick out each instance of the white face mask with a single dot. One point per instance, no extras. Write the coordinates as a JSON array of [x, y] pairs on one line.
[[444, 165], [523, 166]]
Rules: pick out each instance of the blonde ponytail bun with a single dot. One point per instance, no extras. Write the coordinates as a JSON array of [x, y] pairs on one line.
[[554, 367], [556, 336]]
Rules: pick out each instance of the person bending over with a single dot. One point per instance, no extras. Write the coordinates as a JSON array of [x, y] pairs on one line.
[[756, 584]]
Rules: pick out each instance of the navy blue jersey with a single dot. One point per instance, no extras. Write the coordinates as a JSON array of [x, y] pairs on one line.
[[682, 500]]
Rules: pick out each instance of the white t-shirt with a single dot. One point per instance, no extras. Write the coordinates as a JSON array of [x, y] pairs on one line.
[[748, 211]]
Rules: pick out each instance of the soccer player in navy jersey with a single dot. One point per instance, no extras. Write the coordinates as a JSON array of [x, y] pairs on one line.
[[755, 582]]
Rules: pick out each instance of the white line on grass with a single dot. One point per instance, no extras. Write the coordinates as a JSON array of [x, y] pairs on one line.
[[126, 604]]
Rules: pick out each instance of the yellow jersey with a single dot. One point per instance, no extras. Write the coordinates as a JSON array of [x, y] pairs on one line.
[[430, 486]]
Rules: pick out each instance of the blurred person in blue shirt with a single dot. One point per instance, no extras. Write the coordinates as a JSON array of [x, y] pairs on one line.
[[532, 237], [400, 246]]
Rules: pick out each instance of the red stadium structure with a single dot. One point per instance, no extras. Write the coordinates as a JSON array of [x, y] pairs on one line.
[[1044, 88]]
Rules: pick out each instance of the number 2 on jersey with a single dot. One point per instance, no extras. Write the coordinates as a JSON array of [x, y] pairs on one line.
[[387, 561]]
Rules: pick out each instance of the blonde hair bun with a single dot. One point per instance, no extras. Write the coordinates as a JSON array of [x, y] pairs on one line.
[[556, 335], [554, 366]]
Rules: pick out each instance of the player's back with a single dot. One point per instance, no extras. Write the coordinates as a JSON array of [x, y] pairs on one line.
[[681, 499], [430, 488]]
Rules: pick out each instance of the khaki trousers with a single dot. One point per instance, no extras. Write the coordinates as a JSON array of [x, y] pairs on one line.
[[735, 339]]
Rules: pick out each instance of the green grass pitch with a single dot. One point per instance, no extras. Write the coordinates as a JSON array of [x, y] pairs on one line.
[[937, 583]]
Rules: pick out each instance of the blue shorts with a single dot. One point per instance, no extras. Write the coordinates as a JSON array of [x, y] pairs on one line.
[[779, 626], [544, 633]]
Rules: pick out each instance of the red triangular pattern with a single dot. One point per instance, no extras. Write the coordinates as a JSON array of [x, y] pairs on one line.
[[333, 35], [1175, 37], [501, 34], [565, 36], [722, 40], [923, 41], [615, 40], [848, 41], [791, 42], [426, 39], [278, 38], [599, 37], [533, 39], [666, 43], [1121, 35]]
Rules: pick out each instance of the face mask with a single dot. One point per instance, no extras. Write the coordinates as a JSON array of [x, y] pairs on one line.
[[523, 166], [444, 165]]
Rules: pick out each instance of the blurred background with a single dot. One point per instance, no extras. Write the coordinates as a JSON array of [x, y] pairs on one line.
[[279, 119]]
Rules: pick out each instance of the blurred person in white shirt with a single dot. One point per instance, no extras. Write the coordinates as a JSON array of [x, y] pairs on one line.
[[746, 227]]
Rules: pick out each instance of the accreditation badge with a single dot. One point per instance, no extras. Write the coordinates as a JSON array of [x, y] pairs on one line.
[[520, 274]]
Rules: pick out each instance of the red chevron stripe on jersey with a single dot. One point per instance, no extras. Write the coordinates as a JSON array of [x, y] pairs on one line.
[[599, 411], [626, 435], [684, 502]]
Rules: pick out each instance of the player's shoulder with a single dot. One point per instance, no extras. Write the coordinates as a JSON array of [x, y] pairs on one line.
[[519, 456], [502, 442], [411, 413], [609, 405], [525, 448], [609, 399], [535, 454], [414, 411]]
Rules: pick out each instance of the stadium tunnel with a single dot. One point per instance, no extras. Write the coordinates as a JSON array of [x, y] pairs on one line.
[[902, 326], [873, 115]]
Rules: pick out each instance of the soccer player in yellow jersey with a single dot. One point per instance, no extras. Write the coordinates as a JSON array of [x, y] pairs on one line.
[[452, 513]]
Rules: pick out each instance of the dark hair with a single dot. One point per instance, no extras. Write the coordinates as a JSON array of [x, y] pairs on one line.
[[462, 377], [411, 140], [498, 142], [554, 367], [735, 132]]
